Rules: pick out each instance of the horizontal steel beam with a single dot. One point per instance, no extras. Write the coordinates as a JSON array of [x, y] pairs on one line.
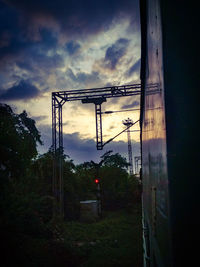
[[86, 95]]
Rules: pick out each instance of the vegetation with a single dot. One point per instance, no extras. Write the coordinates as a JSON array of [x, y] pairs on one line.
[[28, 231], [113, 241]]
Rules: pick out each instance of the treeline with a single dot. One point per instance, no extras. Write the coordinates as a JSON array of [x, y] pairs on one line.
[[26, 198]]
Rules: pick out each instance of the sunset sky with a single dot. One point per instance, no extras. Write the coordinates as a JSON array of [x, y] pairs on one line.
[[48, 46]]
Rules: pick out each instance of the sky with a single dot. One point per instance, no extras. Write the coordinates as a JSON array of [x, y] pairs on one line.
[[48, 46]]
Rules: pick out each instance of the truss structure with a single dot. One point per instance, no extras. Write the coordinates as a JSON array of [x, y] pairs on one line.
[[130, 152], [128, 123], [96, 96]]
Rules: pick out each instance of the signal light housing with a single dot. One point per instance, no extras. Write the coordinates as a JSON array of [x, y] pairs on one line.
[[96, 180]]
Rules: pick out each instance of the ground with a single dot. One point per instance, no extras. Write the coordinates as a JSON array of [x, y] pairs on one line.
[[115, 240]]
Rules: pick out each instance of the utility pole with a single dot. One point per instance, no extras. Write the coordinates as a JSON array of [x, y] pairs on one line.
[[129, 123], [97, 181]]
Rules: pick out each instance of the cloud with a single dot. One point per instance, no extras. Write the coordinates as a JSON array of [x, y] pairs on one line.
[[22, 91], [115, 52], [134, 68], [36, 62], [84, 79], [40, 61], [132, 105], [81, 149], [79, 17], [30, 61], [118, 57], [39, 40], [72, 47]]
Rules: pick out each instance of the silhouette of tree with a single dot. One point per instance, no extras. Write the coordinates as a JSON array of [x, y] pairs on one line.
[[18, 141]]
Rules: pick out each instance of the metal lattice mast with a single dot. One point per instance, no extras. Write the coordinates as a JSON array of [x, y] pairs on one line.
[[99, 139], [130, 152], [98, 114], [57, 146], [127, 123]]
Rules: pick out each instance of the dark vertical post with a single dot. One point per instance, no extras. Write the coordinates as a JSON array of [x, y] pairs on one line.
[[135, 164], [99, 138], [57, 146], [130, 152], [54, 148], [60, 161], [99, 200]]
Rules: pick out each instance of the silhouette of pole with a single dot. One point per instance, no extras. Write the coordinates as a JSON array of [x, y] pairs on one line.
[[127, 123], [57, 146]]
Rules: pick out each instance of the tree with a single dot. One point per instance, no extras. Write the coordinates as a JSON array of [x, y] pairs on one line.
[[115, 160], [114, 180], [85, 174], [112, 174], [22, 205], [18, 141]]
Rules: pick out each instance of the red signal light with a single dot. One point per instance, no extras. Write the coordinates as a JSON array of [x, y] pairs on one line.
[[96, 181]]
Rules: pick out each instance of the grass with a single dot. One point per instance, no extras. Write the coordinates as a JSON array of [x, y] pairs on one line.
[[116, 240]]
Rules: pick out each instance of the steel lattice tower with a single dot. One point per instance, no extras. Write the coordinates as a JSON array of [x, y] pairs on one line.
[[127, 123]]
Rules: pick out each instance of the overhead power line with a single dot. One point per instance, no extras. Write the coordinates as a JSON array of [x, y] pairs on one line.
[[124, 110]]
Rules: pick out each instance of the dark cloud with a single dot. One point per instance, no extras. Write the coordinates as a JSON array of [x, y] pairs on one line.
[[25, 65], [29, 30], [40, 55], [16, 39], [36, 59], [78, 17], [33, 35], [33, 64], [11, 32], [88, 78], [84, 79], [48, 40], [70, 74], [115, 52], [132, 105], [45, 62], [9, 25], [82, 150], [134, 68], [72, 47], [22, 91], [86, 151]]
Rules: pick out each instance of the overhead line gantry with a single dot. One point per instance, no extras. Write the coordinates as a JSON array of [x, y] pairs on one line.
[[97, 96]]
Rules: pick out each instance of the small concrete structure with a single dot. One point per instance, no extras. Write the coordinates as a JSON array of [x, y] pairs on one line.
[[88, 210]]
